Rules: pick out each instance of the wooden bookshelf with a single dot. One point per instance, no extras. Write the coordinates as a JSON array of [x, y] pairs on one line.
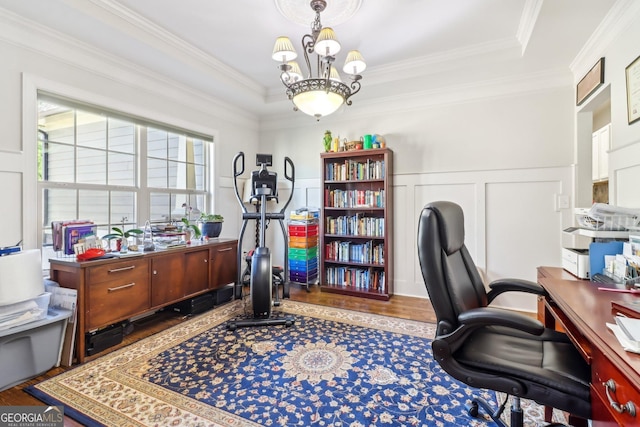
[[356, 223]]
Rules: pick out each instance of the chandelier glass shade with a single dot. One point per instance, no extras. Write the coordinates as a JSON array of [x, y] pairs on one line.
[[322, 91]]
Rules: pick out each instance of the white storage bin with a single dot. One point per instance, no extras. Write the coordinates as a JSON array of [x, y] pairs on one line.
[[36, 306], [31, 349]]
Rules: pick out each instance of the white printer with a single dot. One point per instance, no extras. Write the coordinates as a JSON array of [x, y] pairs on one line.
[[576, 262], [600, 222]]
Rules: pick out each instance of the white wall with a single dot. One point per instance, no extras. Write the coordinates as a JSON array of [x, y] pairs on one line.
[[36, 60], [624, 158], [504, 159]]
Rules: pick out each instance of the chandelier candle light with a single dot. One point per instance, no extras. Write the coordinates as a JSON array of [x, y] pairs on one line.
[[323, 93]]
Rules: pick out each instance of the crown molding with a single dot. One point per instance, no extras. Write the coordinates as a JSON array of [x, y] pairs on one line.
[[432, 64], [425, 66], [538, 82], [614, 23], [49, 43], [528, 22], [161, 39]]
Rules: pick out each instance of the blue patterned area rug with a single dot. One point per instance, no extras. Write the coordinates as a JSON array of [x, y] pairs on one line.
[[331, 368]]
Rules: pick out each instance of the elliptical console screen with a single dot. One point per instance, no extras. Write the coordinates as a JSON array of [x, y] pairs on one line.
[[264, 181], [264, 159]]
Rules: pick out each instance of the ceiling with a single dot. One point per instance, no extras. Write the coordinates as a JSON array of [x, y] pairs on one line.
[[223, 48]]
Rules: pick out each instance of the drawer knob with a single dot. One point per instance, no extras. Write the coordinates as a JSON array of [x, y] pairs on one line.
[[629, 407]]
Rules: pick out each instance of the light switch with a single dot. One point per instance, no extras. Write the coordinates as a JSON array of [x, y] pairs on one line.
[[562, 202]]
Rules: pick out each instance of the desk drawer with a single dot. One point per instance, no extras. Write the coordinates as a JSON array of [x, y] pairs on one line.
[[132, 270], [125, 295], [624, 396]]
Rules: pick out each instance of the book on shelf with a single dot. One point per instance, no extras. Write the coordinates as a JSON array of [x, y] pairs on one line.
[[366, 279], [354, 170], [355, 225], [363, 253], [338, 198]]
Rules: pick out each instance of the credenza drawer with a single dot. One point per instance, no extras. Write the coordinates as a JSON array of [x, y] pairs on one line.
[[131, 269], [616, 392], [125, 294]]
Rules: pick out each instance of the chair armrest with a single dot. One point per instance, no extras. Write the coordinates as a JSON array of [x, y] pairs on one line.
[[489, 316], [518, 285]]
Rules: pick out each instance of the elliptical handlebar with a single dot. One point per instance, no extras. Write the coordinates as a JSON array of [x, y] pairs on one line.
[[239, 156], [236, 174], [291, 177]]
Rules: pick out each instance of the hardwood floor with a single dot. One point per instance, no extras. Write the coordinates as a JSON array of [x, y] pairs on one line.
[[398, 306]]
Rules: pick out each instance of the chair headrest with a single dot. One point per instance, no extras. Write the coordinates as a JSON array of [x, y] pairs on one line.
[[451, 225]]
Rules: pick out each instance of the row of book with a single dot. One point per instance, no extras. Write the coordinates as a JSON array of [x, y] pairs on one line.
[[66, 234], [354, 198], [355, 225], [364, 253], [352, 170], [359, 278]]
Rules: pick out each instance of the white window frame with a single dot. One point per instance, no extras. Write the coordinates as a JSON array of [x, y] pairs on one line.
[[31, 85]]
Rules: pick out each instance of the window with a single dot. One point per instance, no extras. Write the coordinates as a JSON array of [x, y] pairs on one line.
[[116, 170]]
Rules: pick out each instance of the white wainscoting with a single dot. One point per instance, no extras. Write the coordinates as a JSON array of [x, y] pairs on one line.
[[624, 176], [10, 208], [512, 221]]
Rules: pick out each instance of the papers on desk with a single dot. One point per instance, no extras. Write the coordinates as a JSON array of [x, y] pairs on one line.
[[627, 331]]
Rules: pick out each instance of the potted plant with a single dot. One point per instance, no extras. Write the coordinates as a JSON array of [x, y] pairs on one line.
[[120, 234], [191, 228], [211, 224]]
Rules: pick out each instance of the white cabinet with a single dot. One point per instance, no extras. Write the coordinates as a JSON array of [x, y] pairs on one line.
[[601, 143]]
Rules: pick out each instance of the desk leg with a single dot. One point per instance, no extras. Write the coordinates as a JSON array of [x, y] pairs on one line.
[[577, 422]]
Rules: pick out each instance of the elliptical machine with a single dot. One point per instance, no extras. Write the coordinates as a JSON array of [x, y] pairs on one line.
[[264, 187]]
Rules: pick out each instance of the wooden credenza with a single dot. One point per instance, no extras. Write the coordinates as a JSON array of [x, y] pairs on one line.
[[116, 289], [582, 311]]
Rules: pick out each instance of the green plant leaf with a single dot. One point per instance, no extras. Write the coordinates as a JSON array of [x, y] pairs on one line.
[[133, 231]]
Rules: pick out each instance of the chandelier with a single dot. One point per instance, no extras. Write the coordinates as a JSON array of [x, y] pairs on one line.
[[322, 92]]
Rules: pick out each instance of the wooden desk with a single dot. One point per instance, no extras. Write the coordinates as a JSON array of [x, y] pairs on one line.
[[582, 311]]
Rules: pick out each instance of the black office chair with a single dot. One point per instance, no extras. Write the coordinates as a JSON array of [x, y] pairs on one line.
[[488, 347]]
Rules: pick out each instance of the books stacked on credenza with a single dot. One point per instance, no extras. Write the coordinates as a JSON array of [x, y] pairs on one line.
[[65, 234]]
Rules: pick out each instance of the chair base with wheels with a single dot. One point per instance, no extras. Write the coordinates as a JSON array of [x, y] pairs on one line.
[[516, 413]]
